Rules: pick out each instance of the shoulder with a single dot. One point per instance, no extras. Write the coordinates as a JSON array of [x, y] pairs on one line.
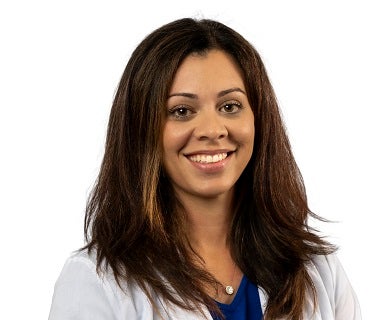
[[80, 271], [78, 265], [326, 268], [82, 293], [334, 292]]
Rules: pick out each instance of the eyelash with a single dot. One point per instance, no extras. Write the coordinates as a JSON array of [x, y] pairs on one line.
[[189, 112], [174, 112], [231, 104]]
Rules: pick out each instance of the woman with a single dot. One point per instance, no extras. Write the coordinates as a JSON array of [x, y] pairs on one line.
[[199, 210]]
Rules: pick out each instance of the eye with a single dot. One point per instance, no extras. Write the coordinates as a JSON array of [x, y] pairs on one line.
[[181, 112], [230, 107]]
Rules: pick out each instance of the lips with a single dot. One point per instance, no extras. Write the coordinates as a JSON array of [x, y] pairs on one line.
[[208, 158]]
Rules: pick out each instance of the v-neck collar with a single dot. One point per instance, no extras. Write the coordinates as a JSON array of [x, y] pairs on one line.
[[238, 296]]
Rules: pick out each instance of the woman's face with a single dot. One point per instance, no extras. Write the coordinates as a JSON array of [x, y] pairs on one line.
[[209, 130]]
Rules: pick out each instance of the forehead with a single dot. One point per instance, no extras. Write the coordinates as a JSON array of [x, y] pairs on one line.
[[215, 68]]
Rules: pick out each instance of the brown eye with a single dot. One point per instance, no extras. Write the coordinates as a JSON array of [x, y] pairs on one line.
[[230, 107], [181, 112]]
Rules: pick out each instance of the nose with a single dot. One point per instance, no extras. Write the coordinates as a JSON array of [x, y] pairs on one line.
[[211, 126]]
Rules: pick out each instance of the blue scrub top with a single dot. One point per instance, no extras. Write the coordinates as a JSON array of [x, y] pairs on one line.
[[246, 304]]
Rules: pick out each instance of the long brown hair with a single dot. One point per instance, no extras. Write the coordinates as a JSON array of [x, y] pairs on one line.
[[132, 217]]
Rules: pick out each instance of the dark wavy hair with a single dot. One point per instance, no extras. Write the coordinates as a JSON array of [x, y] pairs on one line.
[[133, 221]]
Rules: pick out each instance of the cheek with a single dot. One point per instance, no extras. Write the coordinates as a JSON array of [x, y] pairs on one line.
[[174, 138], [246, 134]]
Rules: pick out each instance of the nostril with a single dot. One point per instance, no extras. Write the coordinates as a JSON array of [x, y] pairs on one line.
[[210, 128]]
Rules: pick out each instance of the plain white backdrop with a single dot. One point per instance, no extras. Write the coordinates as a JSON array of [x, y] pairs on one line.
[[60, 63]]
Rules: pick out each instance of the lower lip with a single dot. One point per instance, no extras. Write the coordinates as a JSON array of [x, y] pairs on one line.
[[212, 167]]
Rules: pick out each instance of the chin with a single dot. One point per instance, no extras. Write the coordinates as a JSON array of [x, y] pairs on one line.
[[213, 192]]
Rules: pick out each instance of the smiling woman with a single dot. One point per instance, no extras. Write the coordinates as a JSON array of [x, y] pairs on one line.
[[209, 132], [199, 210]]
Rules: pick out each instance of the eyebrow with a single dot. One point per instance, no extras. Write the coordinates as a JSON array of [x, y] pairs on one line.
[[219, 95]]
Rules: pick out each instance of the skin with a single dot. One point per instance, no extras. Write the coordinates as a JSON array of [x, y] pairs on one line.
[[207, 143]]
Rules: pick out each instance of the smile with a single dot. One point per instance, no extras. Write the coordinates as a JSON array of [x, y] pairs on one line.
[[208, 158]]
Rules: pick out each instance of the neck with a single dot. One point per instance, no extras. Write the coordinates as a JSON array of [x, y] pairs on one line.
[[208, 221]]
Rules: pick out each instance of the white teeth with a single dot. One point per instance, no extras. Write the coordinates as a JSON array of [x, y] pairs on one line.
[[204, 158]]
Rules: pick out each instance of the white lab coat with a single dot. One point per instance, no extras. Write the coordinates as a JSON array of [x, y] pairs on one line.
[[81, 294]]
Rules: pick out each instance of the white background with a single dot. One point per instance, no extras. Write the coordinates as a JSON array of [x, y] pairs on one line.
[[329, 61]]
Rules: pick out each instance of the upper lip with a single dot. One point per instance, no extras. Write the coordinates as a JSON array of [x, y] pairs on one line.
[[208, 152]]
